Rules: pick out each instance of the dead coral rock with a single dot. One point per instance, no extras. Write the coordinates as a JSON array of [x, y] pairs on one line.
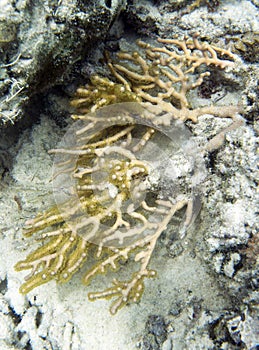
[[39, 41]]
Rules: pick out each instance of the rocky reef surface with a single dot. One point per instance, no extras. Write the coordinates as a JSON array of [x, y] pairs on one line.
[[205, 295]]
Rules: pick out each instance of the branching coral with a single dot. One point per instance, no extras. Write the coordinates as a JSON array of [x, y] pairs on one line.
[[113, 197], [161, 76]]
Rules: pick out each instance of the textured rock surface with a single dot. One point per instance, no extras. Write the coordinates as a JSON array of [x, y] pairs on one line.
[[206, 293], [41, 41]]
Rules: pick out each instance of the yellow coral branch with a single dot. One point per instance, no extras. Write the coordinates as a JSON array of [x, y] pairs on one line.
[[106, 214]]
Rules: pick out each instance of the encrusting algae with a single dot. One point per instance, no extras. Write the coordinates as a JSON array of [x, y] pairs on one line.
[[111, 207]]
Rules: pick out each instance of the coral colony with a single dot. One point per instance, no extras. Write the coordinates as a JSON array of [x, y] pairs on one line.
[[122, 172]]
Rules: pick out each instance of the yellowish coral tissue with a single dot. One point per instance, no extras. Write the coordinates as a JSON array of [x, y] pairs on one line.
[[125, 168]]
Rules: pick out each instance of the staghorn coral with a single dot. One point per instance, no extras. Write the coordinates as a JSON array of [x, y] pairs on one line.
[[113, 192]]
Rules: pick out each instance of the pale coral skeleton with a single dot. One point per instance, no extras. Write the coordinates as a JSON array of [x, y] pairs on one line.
[[107, 210]]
